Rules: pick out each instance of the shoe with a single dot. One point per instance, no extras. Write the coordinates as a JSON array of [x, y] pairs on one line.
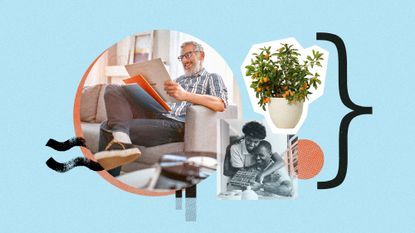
[[117, 154]]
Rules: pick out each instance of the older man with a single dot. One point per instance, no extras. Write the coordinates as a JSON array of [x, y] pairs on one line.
[[278, 181], [124, 130]]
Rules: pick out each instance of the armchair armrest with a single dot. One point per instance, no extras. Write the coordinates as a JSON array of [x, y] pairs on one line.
[[201, 127]]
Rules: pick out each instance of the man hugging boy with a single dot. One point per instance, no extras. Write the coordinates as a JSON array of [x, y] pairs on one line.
[[277, 182]]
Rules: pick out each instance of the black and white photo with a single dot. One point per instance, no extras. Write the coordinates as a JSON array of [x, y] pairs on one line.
[[254, 163]]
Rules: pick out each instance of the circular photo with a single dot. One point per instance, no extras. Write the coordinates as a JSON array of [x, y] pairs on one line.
[[148, 108]]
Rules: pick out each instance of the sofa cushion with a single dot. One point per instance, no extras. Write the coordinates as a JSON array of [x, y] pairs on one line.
[[101, 110], [91, 134], [89, 103]]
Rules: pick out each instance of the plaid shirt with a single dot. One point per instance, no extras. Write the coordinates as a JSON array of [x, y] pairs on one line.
[[203, 83]]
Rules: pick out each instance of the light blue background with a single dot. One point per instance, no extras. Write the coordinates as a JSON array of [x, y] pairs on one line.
[[46, 46]]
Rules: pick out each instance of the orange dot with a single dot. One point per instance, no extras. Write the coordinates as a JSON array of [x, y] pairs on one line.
[[310, 159]]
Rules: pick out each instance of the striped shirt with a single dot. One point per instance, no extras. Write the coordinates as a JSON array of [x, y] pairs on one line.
[[203, 83]]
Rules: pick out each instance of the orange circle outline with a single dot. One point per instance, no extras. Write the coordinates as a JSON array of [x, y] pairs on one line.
[[87, 153]]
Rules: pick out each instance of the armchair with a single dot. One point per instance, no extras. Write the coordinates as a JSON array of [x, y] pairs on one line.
[[200, 129]]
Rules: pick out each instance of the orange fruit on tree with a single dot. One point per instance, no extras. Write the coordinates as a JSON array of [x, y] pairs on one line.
[[267, 100], [286, 93]]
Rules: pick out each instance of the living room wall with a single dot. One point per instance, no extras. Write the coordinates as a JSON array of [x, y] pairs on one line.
[[165, 44]]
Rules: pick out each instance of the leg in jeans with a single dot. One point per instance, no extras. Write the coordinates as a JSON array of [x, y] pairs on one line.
[[126, 117], [120, 109], [146, 132], [154, 132]]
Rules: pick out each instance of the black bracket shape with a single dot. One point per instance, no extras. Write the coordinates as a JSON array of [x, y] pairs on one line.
[[344, 125]]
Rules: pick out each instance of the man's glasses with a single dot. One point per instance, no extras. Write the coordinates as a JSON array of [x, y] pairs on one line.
[[187, 55]]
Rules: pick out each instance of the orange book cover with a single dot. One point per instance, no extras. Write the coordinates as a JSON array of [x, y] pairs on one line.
[[142, 82]]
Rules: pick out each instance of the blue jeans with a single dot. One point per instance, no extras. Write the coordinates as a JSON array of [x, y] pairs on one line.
[[145, 129]]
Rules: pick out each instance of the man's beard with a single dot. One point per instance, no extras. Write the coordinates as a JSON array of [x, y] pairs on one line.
[[196, 67]]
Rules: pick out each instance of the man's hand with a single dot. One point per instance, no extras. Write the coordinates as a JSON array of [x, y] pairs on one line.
[[255, 185], [261, 178], [176, 91]]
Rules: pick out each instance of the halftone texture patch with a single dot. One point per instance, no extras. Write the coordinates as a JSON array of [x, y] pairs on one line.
[[310, 159]]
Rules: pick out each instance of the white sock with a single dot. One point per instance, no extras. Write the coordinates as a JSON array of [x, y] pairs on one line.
[[121, 137]]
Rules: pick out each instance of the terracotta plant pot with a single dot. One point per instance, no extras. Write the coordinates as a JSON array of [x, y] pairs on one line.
[[283, 114]]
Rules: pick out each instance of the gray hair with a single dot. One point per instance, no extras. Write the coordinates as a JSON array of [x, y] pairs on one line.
[[198, 47]]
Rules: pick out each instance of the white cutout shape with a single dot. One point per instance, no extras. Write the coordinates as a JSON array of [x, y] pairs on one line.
[[312, 97]]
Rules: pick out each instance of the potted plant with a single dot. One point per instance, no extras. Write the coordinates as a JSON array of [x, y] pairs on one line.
[[283, 82]]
